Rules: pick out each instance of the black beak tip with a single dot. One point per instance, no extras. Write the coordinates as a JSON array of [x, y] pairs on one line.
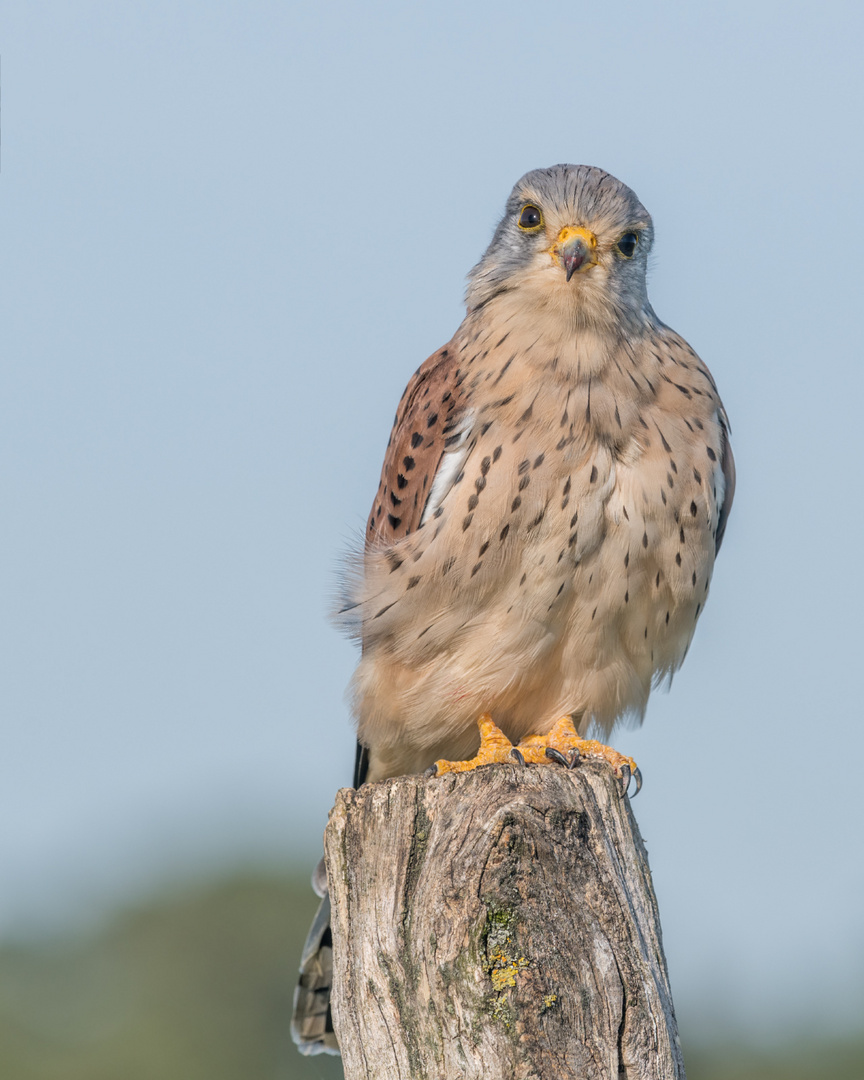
[[572, 264]]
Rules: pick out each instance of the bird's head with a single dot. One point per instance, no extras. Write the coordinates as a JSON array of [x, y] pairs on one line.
[[573, 244]]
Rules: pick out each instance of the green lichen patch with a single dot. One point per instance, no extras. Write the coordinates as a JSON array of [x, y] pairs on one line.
[[504, 970], [499, 1009], [502, 960], [497, 934]]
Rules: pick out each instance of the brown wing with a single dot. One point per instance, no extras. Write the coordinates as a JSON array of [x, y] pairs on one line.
[[424, 426], [727, 463]]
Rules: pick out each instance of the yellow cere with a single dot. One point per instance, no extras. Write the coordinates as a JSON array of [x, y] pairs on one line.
[[570, 232]]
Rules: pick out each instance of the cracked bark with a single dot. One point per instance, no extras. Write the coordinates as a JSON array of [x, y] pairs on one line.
[[499, 924]]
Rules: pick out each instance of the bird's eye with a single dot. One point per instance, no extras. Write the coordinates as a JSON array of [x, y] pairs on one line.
[[530, 219], [627, 244]]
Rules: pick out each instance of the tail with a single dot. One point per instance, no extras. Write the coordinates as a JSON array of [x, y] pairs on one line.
[[312, 1023]]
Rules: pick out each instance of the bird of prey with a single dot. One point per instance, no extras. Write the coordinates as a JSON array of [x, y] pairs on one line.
[[554, 493]]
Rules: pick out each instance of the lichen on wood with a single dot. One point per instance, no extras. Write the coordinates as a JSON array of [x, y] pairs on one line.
[[499, 923]]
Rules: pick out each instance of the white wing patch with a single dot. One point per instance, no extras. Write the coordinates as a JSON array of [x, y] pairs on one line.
[[451, 464]]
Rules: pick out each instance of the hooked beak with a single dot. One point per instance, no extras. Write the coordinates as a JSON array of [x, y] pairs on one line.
[[575, 249]]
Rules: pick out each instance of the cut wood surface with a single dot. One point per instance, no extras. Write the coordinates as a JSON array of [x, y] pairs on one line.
[[499, 923]]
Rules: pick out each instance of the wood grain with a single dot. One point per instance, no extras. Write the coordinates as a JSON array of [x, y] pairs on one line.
[[498, 924]]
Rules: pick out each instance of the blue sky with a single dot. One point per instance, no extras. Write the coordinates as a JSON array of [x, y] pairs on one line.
[[229, 234]]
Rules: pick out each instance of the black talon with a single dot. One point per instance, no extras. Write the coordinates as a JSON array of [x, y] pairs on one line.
[[517, 754], [637, 776], [556, 755], [431, 771], [573, 756], [625, 778]]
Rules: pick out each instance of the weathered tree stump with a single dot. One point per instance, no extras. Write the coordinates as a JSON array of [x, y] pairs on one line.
[[498, 924]]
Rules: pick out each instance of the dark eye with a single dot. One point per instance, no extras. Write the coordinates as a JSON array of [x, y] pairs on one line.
[[530, 218], [627, 244]]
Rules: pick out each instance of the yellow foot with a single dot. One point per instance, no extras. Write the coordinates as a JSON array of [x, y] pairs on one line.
[[564, 745], [494, 746]]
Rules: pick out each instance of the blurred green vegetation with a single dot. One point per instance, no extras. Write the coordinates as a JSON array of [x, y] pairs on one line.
[[815, 1060], [199, 984]]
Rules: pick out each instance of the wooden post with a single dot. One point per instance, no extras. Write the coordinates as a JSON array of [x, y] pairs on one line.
[[498, 924]]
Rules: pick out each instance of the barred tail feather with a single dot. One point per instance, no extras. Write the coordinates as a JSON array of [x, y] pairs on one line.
[[312, 1023]]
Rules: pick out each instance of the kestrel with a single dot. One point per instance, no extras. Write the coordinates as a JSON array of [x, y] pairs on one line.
[[554, 493]]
